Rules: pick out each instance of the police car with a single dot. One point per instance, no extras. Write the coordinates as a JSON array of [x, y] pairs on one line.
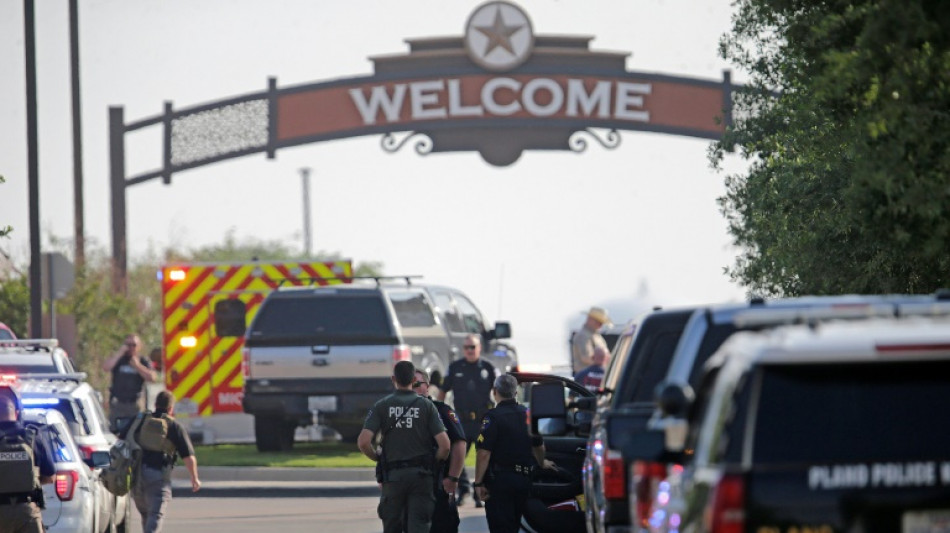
[[82, 410], [833, 427], [74, 497], [27, 356]]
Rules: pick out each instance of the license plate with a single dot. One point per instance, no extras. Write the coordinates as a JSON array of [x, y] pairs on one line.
[[322, 403], [926, 522]]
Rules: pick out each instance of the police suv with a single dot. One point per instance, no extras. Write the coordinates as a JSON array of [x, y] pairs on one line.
[[833, 427]]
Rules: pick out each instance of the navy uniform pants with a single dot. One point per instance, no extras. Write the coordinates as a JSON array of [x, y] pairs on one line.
[[445, 518], [507, 494]]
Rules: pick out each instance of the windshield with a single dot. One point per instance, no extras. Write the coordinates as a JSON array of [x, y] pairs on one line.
[[338, 318], [834, 412]]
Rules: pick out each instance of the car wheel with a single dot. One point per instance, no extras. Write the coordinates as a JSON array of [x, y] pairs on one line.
[[273, 435]]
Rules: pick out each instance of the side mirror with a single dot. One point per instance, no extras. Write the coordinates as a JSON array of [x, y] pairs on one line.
[[675, 400], [502, 330], [582, 423], [99, 459], [547, 402]]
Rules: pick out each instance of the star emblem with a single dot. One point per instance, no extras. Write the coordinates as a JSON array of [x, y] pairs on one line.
[[498, 34]]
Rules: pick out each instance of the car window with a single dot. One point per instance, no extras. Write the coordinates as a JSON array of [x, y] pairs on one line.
[[99, 414], [445, 304], [6, 335], [59, 443], [73, 419], [328, 318], [829, 413], [412, 309], [470, 315]]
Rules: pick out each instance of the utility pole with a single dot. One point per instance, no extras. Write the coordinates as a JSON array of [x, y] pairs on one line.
[[78, 209], [33, 172], [307, 239]]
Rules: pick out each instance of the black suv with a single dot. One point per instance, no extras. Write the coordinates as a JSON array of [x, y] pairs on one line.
[[826, 428], [637, 365], [316, 354]]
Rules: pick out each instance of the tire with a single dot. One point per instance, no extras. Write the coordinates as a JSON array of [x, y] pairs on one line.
[[273, 435], [348, 433]]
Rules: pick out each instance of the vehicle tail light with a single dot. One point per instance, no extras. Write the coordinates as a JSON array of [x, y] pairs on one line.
[[647, 476], [614, 476], [726, 513], [86, 451], [401, 353], [66, 484], [246, 363]]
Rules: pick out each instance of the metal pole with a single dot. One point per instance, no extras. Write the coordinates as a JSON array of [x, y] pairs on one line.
[[307, 239], [78, 209], [117, 177], [36, 297]]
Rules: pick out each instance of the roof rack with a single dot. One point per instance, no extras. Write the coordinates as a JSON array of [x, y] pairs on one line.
[[78, 377], [49, 344], [312, 280]]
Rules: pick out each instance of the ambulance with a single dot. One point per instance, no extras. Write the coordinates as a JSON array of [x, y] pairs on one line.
[[206, 309]]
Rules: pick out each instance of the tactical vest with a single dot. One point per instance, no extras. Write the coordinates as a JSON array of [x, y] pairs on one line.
[[126, 381], [153, 434], [18, 475]]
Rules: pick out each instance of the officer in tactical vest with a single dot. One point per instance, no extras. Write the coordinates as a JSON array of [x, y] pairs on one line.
[[506, 459], [406, 424], [25, 464], [470, 381], [162, 439], [130, 370], [445, 517]]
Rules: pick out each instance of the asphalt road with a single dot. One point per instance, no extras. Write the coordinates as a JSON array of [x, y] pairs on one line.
[[326, 512]]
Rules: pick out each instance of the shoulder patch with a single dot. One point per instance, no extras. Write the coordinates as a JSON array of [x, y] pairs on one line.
[[453, 417], [486, 422]]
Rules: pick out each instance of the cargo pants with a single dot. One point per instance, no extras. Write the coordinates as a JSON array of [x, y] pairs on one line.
[[152, 492], [407, 501]]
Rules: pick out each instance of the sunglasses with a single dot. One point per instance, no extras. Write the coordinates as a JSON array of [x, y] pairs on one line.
[[418, 383], [470, 346]]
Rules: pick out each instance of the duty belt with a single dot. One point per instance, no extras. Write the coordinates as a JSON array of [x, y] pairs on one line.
[[15, 499], [423, 461], [519, 469]]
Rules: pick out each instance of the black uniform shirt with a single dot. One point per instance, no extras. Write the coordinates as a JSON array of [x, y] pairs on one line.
[[127, 383], [453, 428], [42, 456], [176, 434], [471, 385], [505, 434]]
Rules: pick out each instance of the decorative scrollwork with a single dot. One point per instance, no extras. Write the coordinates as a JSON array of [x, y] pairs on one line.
[[392, 144], [578, 143]]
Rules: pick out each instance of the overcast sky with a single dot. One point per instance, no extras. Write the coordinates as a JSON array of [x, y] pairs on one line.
[[535, 243]]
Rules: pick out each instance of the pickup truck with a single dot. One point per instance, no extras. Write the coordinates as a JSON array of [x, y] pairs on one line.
[[325, 354]]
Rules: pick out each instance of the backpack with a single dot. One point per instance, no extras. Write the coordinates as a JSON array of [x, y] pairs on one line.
[[153, 435], [124, 458], [16, 464]]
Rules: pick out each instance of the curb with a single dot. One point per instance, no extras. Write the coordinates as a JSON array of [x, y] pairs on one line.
[[265, 474], [262, 482]]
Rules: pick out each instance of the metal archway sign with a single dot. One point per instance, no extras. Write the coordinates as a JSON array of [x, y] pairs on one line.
[[498, 89]]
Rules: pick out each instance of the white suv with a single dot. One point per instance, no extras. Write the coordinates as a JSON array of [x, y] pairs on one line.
[[81, 408], [75, 496]]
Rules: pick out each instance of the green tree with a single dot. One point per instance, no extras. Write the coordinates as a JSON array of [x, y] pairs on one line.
[[844, 125], [15, 302]]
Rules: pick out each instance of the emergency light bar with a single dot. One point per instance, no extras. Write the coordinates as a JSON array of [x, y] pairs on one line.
[[40, 402], [29, 343]]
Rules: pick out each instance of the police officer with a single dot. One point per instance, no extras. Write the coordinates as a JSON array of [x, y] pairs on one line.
[[407, 423], [20, 482], [506, 458], [152, 490], [445, 517], [470, 381], [130, 370]]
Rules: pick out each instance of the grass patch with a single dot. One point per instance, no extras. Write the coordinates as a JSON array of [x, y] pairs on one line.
[[304, 454]]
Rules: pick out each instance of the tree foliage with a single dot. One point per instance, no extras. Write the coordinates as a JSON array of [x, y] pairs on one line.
[[844, 124]]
